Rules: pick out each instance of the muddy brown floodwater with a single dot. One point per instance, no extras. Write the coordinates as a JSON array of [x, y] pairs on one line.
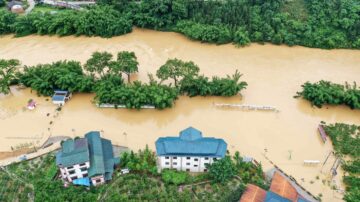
[[274, 74]]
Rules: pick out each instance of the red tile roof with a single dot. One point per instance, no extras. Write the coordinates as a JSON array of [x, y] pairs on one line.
[[281, 186], [253, 193]]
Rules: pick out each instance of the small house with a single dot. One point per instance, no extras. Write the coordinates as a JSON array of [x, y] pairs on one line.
[[15, 6], [60, 97], [88, 160], [189, 152]]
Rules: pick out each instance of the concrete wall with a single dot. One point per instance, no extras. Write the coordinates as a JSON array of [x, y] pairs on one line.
[[76, 171], [185, 163], [98, 180]]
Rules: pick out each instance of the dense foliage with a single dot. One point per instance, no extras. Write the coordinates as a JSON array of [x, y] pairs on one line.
[[136, 95], [101, 21], [7, 19], [177, 69], [312, 23], [174, 177], [325, 92], [103, 75], [201, 85], [63, 75], [8, 69], [142, 161], [226, 168], [346, 141]]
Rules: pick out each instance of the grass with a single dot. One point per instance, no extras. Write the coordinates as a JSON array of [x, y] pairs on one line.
[[45, 8]]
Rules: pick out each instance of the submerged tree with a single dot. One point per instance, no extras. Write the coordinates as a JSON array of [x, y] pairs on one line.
[[7, 74], [177, 69], [99, 63], [126, 63]]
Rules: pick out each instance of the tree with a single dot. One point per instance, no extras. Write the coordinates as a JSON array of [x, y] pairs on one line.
[[126, 63], [7, 74], [176, 69], [222, 170], [99, 63]]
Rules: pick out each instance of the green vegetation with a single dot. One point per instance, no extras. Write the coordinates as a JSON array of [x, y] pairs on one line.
[[346, 141], [8, 70], [174, 177], [33, 181], [102, 75], [65, 75], [96, 21], [201, 85], [315, 23], [325, 92], [312, 23], [222, 170], [177, 69], [142, 161]]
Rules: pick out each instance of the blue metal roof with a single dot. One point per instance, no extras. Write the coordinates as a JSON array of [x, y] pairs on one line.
[[59, 95], [191, 143], [82, 181], [272, 197]]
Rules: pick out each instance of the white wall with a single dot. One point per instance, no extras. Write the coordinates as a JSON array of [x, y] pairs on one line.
[[190, 163], [79, 171], [97, 178]]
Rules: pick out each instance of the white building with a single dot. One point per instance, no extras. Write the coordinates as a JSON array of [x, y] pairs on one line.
[[189, 152], [86, 161]]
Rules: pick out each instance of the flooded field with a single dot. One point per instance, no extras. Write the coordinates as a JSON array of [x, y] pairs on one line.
[[274, 74]]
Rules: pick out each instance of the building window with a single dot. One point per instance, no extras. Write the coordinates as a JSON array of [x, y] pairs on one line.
[[74, 178], [195, 165], [174, 157], [188, 170], [82, 164], [205, 170], [98, 180], [85, 175], [70, 167], [83, 169], [166, 163], [196, 159], [187, 164], [188, 158], [174, 163], [166, 157], [206, 158], [71, 172]]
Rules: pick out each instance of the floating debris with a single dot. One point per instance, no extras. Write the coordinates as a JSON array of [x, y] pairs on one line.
[[248, 107]]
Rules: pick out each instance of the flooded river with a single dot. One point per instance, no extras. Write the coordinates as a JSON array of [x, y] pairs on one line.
[[274, 74]]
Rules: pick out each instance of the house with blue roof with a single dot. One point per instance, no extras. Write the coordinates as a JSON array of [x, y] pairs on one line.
[[190, 151], [88, 160], [60, 97]]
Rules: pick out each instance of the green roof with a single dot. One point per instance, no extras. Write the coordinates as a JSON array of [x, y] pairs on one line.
[[92, 148], [73, 152]]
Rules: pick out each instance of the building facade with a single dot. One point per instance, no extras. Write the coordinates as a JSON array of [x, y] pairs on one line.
[[88, 160], [189, 152]]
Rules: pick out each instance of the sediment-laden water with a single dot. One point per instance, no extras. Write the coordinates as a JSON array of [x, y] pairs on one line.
[[274, 74]]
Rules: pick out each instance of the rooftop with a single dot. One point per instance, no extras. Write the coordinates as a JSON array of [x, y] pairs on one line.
[[93, 148], [253, 193], [191, 143]]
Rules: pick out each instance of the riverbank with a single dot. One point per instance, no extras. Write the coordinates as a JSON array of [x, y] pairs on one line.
[[274, 74]]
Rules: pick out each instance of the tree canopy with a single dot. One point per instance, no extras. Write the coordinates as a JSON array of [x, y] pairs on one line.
[[177, 69], [8, 68]]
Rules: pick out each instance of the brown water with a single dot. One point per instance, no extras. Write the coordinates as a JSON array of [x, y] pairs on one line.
[[274, 74]]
